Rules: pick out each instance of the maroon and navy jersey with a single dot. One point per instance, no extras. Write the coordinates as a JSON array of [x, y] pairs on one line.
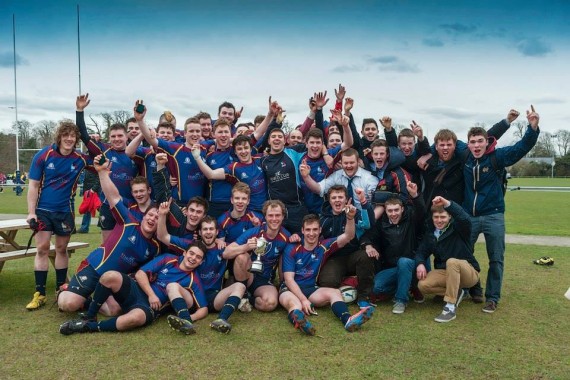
[[179, 245], [253, 175], [181, 165], [126, 248], [230, 229], [319, 170], [145, 158], [307, 264], [123, 169], [212, 269], [164, 270], [274, 248], [57, 175], [219, 190]]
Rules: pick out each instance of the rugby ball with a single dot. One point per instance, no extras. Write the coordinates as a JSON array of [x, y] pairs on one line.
[[348, 293]]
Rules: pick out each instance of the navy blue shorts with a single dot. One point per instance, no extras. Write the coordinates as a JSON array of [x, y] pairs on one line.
[[84, 281], [131, 297], [257, 282], [211, 296], [60, 223], [106, 219], [307, 291]]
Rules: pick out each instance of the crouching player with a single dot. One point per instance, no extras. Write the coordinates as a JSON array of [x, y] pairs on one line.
[[301, 266], [211, 274], [167, 278]]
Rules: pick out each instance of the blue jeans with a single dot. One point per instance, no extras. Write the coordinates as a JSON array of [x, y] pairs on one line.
[[396, 280], [85, 222], [493, 228]]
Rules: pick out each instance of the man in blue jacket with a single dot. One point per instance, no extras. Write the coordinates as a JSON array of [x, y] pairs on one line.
[[484, 199]]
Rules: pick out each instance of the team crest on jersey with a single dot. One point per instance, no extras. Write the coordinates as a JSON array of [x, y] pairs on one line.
[[187, 160], [164, 271], [243, 175], [113, 159], [51, 166], [146, 253], [72, 167], [82, 278], [299, 262], [132, 239], [213, 162], [283, 164], [485, 170]]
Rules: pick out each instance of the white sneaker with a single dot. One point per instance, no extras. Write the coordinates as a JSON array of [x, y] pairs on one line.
[[245, 306]]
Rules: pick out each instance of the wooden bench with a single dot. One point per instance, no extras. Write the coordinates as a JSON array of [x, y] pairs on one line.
[[12, 255]]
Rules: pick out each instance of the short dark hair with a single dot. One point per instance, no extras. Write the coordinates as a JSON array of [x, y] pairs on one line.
[[444, 135], [241, 139], [477, 131], [208, 219], [310, 218], [139, 180], [369, 120], [221, 123], [350, 152], [203, 115], [379, 142], [200, 245], [258, 119], [338, 188], [193, 120], [199, 201], [315, 133], [118, 126], [166, 125], [406, 132], [131, 120], [227, 105], [394, 200]]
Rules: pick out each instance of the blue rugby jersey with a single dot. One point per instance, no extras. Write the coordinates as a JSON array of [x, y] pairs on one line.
[[253, 176], [307, 264], [164, 270], [58, 176], [275, 247], [126, 248], [212, 269], [319, 170], [230, 229], [181, 165], [123, 168], [219, 190]]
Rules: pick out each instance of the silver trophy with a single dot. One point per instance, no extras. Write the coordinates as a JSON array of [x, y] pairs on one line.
[[257, 265]]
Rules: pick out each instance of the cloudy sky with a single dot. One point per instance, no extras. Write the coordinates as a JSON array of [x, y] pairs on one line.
[[442, 63]]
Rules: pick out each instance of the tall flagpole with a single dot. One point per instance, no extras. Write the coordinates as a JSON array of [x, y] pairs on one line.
[[16, 95], [78, 50]]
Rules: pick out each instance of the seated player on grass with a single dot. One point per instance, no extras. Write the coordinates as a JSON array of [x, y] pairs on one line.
[[211, 274], [167, 278], [301, 266], [130, 244]]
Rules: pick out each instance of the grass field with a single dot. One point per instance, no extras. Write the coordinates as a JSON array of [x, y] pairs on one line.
[[526, 338], [560, 182]]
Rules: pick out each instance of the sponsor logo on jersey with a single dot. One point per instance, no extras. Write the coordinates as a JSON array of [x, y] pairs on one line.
[[132, 239], [51, 166], [244, 175], [164, 271], [187, 160]]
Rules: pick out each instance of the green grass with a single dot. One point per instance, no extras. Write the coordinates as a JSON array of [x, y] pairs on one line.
[[526, 338], [537, 213], [554, 182]]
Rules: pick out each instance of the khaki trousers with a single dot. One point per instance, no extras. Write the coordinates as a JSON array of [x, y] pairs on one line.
[[458, 274]]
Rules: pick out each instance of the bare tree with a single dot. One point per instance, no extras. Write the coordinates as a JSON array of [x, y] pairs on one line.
[[122, 116], [24, 129], [44, 131], [562, 137], [519, 129], [544, 146]]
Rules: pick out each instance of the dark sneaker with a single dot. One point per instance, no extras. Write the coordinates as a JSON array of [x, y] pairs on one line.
[[461, 296], [490, 307], [179, 324], [221, 325], [302, 323], [417, 295], [357, 320], [84, 317], [445, 316], [399, 308], [73, 326]]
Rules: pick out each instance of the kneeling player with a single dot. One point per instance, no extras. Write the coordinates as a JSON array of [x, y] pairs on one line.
[[301, 266], [165, 278]]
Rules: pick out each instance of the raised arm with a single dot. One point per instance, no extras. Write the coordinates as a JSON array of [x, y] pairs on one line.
[[234, 249], [208, 171], [389, 131], [349, 228], [81, 102], [133, 145], [271, 113], [145, 131], [305, 171], [161, 230], [347, 139], [109, 189]]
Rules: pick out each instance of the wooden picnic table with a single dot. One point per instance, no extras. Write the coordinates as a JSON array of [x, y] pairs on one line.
[[10, 249]]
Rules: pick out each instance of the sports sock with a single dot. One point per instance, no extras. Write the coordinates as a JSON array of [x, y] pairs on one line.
[[340, 309], [290, 316], [100, 295], [41, 279], [106, 325], [60, 277], [450, 306], [181, 309], [229, 307]]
